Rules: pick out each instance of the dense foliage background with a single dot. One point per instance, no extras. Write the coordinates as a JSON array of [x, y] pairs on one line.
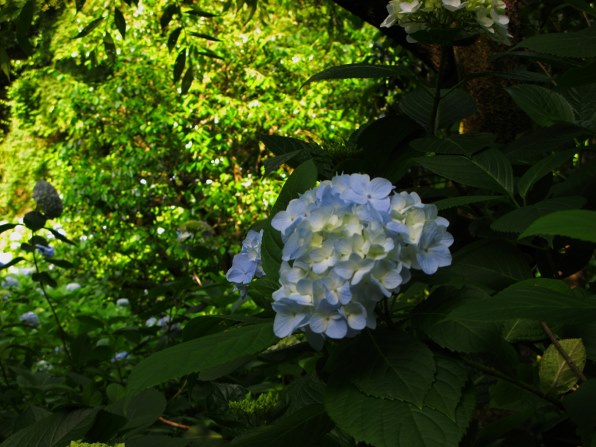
[[169, 129]]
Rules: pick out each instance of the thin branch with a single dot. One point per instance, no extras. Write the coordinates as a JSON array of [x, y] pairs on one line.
[[564, 354]]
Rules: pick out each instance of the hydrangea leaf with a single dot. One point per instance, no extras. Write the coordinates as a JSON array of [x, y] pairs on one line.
[[199, 354], [576, 224], [556, 376]]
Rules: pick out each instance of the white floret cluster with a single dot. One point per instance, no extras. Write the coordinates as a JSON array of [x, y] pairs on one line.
[[473, 16], [348, 243]]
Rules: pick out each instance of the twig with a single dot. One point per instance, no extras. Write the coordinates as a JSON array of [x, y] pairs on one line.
[[173, 424], [564, 354]]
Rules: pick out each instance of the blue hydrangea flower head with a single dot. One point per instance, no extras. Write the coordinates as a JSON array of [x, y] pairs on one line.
[[29, 319]]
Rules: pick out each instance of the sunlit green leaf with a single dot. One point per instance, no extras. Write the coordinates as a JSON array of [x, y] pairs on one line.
[[556, 376], [576, 224]]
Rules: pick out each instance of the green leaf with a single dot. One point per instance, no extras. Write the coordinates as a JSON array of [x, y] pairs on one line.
[[350, 71], [6, 227], [44, 278], [493, 264], [543, 167], [489, 169], [23, 24], [60, 236], [89, 28], [12, 262], [34, 220], [120, 22], [187, 80], [304, 427], [271, 250], [110, 46], [461, 144], [455, 105], [303, 178], [577, 76], [582, 6], [519, 219], [393, 423], [455, 202], [580, 407], [433, 317], [446, 392], [536, 299], [556, 376], [395, 366], [56, 430], [143, 409], [204, 36], [542, 105], [576, 224], [179, 65], [200, 354], [173, 38], [569, 44], [168, 14], [156, 441], [521, 329], [60, 263]]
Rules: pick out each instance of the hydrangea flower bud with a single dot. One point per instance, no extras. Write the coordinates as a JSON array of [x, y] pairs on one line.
[[47, 199], [30, 319]]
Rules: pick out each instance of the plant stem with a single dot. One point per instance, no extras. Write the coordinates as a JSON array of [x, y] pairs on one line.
[[437, 97], [498, 374], [61, 331], [564, 354]]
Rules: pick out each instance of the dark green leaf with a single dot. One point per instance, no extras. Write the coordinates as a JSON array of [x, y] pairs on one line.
[[395, 366], [157, 441], [542, 105], [6, 227], [187, 80], [577, 76], [580, 407], [454, 105], [56, 430], [12, 262], [303, 178], [453, 202], [173, 38], [576, 224], [34, 220], [60, 236], [200, 354], [144, 409], [540, 169], [521, 329], [210, 54], [179, 64], [44, 278], [568, 44], [536, 299], [582, 6], [60, 263], [464, 144], [199, 13], [446, 392], [23, 24], [168, 14], [433, 318], [519, 219], [120, 22], [89, 28], [304, 427], [351, 71], [110, 46], [204, 36], [79, 5]]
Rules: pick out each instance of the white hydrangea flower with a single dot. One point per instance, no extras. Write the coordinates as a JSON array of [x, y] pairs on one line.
[[473, 16]]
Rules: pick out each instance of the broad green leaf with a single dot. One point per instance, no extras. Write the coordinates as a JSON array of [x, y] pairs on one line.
[[576, 224], [143, 409], [492, 264], [187, 79], [540, 169], [577, 76], [519, 219], [569, 44], [536, 299], [289, 149], [460, 144], [395, 366], [12, 262], [350, 71], [156, 441], [530, 147], [56, 430], [89, 28], [200, 354], [303, 178], [582, 6], [392, 423], [521, 329], [120, 22], [556, 376], [432, 316], [34, 220], [454, 202], [542, 105], [489, 169], [446, 391], [271, 250], [454, 105], [304, 427], [583, 100], [580, 408]]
